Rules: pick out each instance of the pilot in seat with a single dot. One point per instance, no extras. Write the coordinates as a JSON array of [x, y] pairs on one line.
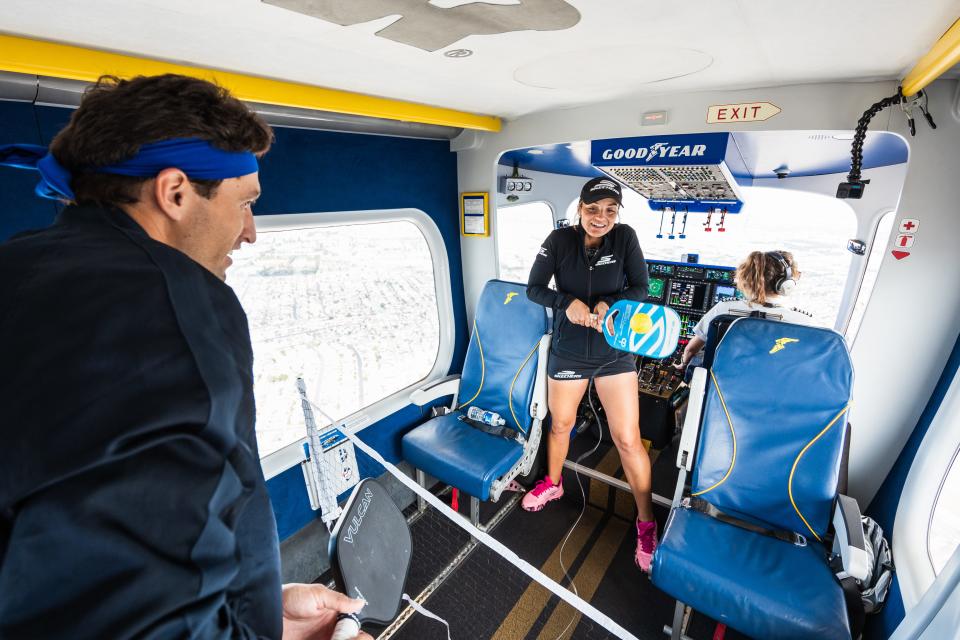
[[765, 277]]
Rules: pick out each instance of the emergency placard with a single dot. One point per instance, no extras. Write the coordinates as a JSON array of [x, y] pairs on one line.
[[744, 112]]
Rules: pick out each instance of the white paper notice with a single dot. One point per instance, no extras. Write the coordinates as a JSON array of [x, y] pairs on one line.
[[473, 224], [473, 206]]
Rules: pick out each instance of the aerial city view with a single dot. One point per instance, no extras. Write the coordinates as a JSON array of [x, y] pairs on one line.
[[350, 308]]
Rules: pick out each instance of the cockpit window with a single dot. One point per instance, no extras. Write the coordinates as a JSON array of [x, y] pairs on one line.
[[352, 308], [815, 228], [520, 230]]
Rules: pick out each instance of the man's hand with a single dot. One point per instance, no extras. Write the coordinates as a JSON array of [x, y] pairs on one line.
[[310, 611], [601, 311]]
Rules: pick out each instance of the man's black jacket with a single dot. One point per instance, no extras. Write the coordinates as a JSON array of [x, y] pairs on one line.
[[132, 502]]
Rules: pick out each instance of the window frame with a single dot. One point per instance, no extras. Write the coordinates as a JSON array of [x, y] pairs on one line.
[[293, 454], [859, 267], [936, 501], [500, 208], [921, 492]]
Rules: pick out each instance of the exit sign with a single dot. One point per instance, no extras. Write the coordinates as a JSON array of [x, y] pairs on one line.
[[745, 112]]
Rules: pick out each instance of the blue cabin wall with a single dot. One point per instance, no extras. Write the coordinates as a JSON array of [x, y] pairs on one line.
[[883, 508], [305, 171], [21, 210]]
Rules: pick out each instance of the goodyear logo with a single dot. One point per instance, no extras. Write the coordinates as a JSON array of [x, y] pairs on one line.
[[781, 344], [510, 296], [655, 151]]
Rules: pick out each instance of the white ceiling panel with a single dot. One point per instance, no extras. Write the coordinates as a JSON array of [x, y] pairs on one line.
[[615, 48]]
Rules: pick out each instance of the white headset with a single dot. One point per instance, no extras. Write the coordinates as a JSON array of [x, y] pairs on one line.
[[786, 283]]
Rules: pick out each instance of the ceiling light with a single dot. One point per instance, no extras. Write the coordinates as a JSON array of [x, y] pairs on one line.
[[458, 53]]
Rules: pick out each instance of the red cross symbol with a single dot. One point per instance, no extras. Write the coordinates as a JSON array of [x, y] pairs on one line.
[[909, 225]]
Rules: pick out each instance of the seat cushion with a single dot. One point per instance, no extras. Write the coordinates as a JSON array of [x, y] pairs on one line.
[[758, 585], [460, 455]]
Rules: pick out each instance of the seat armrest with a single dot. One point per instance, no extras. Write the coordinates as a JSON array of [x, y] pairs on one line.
[[848, 540], [691, 423], [446, 386], [538, 407]]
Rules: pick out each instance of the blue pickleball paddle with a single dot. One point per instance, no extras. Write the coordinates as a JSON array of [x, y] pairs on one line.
[[642, 328]]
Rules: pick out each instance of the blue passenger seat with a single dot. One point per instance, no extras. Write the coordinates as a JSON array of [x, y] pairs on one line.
[[505, 372], [750, 544]]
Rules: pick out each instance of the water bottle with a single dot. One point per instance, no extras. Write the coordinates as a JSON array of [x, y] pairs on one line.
[[486, 417]]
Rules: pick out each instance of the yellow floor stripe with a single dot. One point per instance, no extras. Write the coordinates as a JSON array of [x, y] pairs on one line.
[[520, 620], [624, 505], [600, 492], [587, 580]]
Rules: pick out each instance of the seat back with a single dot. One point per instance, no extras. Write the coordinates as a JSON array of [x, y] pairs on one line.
[[774, 424], [715, 332], [500, 369]]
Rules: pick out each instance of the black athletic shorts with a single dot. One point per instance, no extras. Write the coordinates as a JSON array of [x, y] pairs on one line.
[[564, 368]]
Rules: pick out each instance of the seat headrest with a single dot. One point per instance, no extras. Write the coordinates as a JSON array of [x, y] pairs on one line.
[[773, 429]]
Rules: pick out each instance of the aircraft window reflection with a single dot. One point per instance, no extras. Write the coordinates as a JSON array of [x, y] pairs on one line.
[[520, 231], [352, 307], [814, 227], [944, 534]]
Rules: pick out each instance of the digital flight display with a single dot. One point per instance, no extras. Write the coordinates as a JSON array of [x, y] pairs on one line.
[[716, 275], [690, 272], [687, 295], [655, 289], [660, 269], [722, 292]]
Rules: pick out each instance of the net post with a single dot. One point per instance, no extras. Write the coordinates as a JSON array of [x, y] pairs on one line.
[[475, 511], [681, 617], [422, 481]]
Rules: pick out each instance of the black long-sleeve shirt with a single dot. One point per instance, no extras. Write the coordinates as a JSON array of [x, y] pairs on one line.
[[132, 502], [617, 271]]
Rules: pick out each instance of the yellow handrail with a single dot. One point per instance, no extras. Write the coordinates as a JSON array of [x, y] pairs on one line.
[[941, 57], [38, 57]]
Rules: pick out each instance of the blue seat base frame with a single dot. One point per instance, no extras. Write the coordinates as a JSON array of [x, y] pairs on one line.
[[756, 584]]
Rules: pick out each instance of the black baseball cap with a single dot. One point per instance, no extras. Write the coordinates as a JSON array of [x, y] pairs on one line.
[[600, 188]]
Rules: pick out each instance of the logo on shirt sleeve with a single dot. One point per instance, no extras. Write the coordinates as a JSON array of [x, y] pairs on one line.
[[543, 252]]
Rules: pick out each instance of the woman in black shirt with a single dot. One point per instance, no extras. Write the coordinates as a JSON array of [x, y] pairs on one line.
[[594, 264]]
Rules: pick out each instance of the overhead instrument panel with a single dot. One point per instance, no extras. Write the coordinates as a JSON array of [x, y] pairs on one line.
[[688, 172]]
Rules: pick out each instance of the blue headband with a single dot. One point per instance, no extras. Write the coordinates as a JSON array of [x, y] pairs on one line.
[[197, 158]]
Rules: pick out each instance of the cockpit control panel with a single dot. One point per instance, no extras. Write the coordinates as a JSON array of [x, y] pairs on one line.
[[691, 290]]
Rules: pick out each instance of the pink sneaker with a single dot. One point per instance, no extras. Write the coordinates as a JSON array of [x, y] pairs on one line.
[[542, 493], [646, 544]]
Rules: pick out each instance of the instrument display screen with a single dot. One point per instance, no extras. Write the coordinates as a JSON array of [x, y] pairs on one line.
[[687, 295]]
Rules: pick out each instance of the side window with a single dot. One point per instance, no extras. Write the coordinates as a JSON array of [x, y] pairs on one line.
[[877, 251], [944, 533], [521, 230], [351, 307]]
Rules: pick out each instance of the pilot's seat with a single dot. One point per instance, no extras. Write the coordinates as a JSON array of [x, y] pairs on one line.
[[750, 545], [504, 372]]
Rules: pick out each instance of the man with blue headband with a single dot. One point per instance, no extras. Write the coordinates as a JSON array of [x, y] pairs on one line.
[[132, 502]]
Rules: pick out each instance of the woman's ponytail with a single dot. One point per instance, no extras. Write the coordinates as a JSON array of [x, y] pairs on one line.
[[751, 277]]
